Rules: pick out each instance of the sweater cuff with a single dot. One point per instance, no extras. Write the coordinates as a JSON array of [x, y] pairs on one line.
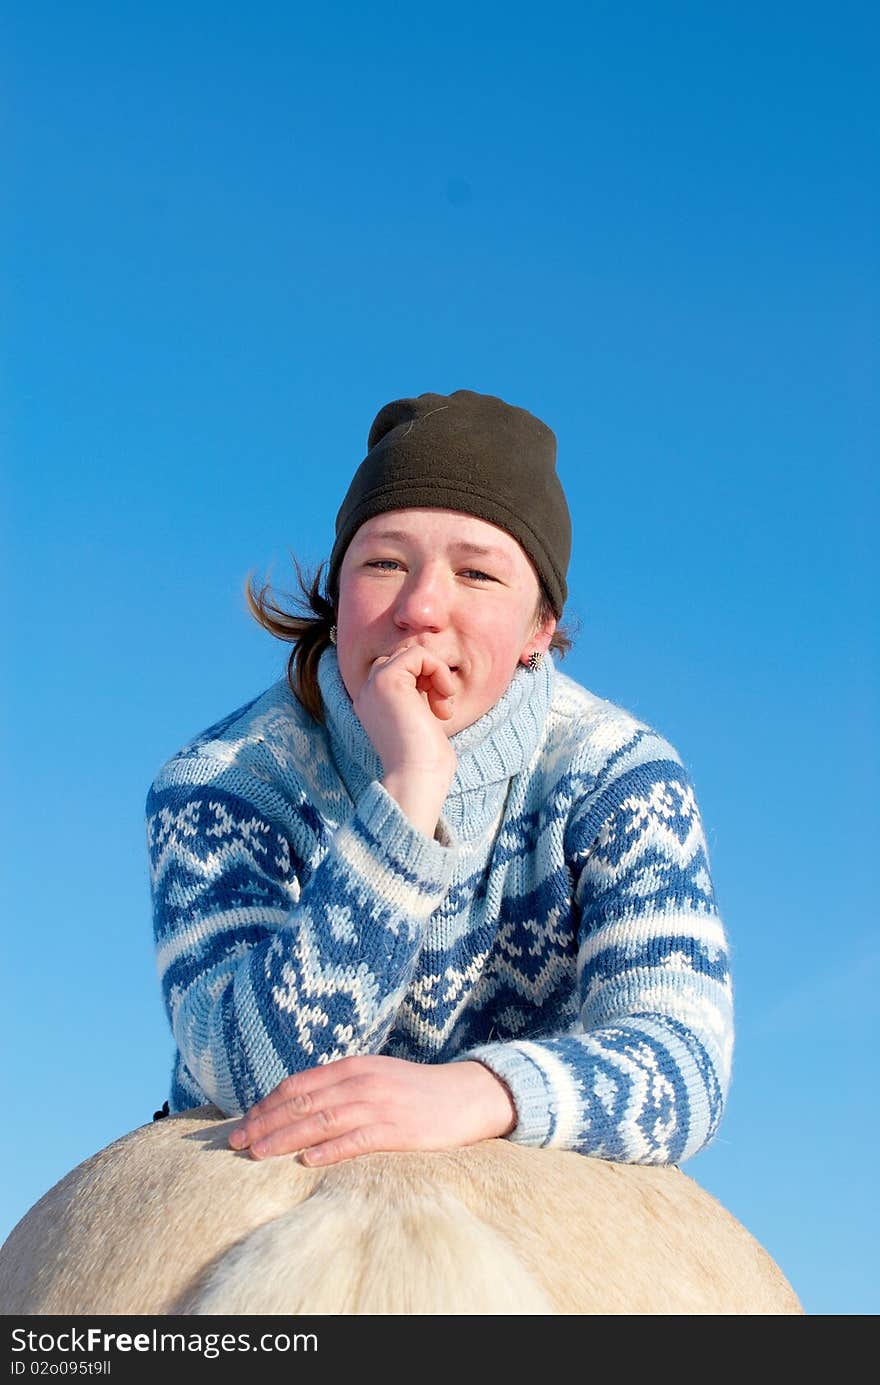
[[401, 864], [544, 1090]]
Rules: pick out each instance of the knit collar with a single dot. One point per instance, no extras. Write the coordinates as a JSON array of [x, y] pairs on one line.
[[490, 751]]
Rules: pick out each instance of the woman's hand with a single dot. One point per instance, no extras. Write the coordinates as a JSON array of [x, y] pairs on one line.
[[402, 706], [366, 1103]]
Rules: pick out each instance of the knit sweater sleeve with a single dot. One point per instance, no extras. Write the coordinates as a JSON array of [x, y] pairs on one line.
[[281, 944], [643, 1075]]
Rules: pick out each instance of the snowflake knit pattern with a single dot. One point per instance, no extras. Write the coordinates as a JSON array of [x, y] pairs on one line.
[[561, 927]]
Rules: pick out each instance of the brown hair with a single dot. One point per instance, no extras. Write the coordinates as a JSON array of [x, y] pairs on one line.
[[309, 633]]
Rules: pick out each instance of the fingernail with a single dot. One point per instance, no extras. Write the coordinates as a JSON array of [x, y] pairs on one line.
[[238, 1137]]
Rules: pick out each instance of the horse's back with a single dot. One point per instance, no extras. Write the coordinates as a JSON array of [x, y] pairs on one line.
[[169, 1219]]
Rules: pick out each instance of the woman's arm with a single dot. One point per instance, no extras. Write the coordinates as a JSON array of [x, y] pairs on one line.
[[281, 944], [643, 1077]]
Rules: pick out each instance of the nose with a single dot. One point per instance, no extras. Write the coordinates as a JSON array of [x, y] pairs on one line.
[[422, 601]]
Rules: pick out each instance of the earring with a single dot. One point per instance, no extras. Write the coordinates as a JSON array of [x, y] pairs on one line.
[[535, 660], [332, 634]]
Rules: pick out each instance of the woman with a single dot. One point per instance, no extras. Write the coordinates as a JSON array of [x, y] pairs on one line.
[[428, 890]]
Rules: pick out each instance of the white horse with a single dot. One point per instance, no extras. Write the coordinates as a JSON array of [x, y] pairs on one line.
[[170, 1220]]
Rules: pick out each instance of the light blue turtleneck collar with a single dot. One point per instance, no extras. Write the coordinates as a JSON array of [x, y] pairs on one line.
[[490, 751]]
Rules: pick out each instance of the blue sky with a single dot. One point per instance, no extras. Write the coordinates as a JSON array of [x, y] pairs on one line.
[[230, 237]]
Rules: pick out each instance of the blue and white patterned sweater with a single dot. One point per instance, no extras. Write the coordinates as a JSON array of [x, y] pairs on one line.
[[561, 927]]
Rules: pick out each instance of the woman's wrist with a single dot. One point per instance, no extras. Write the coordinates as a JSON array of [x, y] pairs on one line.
[[420, 799], [495, 1097]]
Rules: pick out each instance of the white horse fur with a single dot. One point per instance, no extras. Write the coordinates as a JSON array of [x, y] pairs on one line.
[[170, 1220]]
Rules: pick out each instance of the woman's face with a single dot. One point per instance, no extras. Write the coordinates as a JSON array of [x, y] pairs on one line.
[[414, 576]]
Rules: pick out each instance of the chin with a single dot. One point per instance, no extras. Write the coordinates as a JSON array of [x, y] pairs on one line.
[[460, 723]]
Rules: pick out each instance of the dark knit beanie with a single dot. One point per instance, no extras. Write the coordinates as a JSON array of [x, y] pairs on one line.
[[470, 452]]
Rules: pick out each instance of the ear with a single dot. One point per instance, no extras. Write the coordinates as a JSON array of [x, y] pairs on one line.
[[540, 639]]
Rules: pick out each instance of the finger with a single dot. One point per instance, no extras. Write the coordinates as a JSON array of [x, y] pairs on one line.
[[441, 682], [329, 1124], [365, 1140], [441, 678], [309, 1080], [442, 705], [423, 665], [296, 1111], [292, 1113]]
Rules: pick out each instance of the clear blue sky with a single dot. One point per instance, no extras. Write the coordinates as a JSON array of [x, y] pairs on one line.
[[232, 234]]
